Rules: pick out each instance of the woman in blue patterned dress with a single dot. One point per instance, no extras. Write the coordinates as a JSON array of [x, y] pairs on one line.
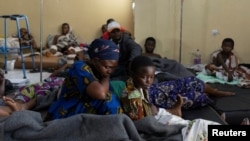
[[86, 88]]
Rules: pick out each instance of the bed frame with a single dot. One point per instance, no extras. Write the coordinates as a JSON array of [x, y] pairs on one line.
[[6, 50]]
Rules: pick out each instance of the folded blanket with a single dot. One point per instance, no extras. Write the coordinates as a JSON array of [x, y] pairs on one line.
[[12, 46], [28, 125], [10, 42]]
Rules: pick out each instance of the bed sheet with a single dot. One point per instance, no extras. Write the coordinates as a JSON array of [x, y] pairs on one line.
[[235, 108], [211, 79], [11, 42]]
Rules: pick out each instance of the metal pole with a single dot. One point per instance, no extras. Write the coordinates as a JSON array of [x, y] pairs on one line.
[[180, 51], [41, 40]]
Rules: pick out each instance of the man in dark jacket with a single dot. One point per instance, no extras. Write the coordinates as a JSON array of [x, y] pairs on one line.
[[128, 50]]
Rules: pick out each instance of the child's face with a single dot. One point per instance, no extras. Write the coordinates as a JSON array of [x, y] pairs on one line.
[[23, 32], [104, 28], [150, 46], [227, 47], [65, 29], [144, 78]]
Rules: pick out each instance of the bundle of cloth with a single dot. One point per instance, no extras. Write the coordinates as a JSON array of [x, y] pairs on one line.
[[11, 43], [168, 69]]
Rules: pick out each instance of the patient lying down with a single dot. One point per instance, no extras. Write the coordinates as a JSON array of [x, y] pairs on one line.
[[26, 96]]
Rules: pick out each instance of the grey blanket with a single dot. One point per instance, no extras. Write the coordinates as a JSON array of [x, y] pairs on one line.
[[169, 69], [29, 125]]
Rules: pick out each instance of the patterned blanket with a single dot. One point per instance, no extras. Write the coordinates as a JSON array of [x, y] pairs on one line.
[[63, 41]]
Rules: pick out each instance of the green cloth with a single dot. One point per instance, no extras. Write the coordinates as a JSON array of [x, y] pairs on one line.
[[212, 79], [118, 87]]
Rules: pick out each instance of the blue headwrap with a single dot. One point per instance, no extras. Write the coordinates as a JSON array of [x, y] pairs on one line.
[[103, 49]]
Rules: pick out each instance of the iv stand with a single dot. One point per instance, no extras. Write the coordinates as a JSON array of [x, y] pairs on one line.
[[41, 40], [180, 51]]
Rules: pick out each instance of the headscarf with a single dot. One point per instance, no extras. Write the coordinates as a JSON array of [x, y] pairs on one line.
[[103, 49]]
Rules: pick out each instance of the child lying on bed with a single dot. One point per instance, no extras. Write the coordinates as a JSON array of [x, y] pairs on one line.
[[25, 97], [137, 102], [137, 105], [224, 64], [193, 91]]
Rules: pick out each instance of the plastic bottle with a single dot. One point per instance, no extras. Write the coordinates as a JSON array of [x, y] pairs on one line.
[[197, 57]]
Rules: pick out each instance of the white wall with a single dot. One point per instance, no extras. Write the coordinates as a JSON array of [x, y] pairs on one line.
[[161, 19], [84, 16]]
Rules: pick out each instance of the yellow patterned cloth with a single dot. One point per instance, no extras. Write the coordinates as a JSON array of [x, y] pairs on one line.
[[135, 102]]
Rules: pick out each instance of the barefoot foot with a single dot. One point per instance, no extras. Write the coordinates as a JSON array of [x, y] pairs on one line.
[[12, 103], [225, 93], [176, 109], [245, 121]]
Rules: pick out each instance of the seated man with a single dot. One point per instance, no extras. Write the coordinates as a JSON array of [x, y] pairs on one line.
[[105, 33], [128, 50], [150, 47]]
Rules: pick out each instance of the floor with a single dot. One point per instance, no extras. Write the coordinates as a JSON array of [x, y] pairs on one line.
[[16, 76]]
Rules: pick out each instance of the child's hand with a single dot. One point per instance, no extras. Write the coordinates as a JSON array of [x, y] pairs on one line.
[[49, 54], [154, 110]]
